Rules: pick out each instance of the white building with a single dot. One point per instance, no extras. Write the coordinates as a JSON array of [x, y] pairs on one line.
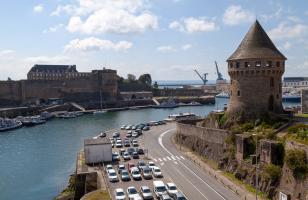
[[295, 82], [97, 150]]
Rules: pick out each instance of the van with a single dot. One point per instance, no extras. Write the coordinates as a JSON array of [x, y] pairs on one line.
[[159, 188]]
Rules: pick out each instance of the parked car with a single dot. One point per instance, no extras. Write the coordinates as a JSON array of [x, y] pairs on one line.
[[108, 167], [123, 127], [147, 173], [171, 189], [124, 175], [165, 197], [119, 144], [102, 135], [130, 165], [151, 164], [135, 155], [120, 168], [126, 143], [135, 173], [119, 194], [135, 143], [159, 188], [146, 193], [129, 134], [122, 151], [157, 172], [146, 128], [141, 165], [132, 193], [135, 134], [115, 134], [131, 150], [112, 175], [179, 196], [126, 156], [133, 127], [140, 151], [128, 127], [116, 156]]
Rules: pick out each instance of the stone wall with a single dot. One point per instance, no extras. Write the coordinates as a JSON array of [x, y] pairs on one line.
[[305, 101], [169, 92], [206, 141]]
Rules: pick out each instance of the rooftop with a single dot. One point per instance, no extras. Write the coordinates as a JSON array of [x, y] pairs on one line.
[[256, 44], [96, 141], [59, 68]]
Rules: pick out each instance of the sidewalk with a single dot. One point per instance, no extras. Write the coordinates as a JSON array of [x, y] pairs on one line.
[[239, 190]]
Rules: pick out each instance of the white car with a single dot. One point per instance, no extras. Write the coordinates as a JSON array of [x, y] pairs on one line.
[[135, 173], [133, 194], [116, 156], [146, 192], [123, 127], [135, 143], [151, 164], [126, 155], [171, 189], [108, 167], [119, 194], [112, 175], [119, 144], [157, 172]]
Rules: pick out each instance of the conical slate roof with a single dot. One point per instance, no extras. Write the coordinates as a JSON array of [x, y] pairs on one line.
[[256, 44]]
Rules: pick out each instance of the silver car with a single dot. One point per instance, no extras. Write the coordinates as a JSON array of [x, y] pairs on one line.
[[146, 192]]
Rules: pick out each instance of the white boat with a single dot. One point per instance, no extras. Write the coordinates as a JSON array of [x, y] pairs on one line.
[[9, 124], [223, 95], [182, 116], [100, 111], [96, 112]]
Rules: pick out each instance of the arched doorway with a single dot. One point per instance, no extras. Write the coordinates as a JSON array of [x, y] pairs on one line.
[[271, 103]]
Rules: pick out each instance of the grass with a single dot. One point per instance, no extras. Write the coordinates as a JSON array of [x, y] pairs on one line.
[[248, 187], [302, 115], [99, 195]]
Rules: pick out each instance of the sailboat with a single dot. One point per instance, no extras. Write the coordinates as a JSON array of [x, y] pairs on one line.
[[100, 111]]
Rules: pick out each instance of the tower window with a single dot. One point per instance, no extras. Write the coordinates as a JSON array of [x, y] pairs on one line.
[[258, 63], [277, 64], [269, 64], [271, 82], [238, 93], [237, 64], [247, 64]]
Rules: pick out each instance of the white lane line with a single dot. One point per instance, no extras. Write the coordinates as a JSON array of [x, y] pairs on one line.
[[173, 158], [182, 157], [161, 163], [168, 158], [154, 160], [160, 159], [178, 157], [175, 162], [191, 184], [160, 141], [164, 159]]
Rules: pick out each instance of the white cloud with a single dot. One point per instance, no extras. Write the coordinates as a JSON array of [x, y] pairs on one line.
[[186, 47], [287, 45], [53, 29], [192, 25], [294, 19], [284, 31], [38, 8], [306, 12], [108, 16], [165, 49], [235, 15], [7, 54], [95, 44]]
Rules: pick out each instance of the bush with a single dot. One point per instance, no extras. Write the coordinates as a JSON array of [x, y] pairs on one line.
[[296, 160], [247, 127], [298, 127], [271, 172]]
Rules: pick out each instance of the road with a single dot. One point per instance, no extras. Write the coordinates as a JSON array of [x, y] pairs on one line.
[[190, 179]]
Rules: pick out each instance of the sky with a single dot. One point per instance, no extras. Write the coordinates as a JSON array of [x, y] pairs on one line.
[[166, 38]]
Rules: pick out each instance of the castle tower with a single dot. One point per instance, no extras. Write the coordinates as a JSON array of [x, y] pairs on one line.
[[255, 69]]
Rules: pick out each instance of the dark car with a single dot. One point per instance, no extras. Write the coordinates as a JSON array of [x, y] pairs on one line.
[[124, 175], [135, 155], [131, 150], [126, 143], [140, 151], [141, 165], [146, 128], [179, 196]]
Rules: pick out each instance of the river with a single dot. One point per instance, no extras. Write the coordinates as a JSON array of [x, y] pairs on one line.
[[35, 162]]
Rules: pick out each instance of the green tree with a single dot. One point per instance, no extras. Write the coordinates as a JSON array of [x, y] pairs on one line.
[[131, 78], [146, 79], [296, 160]]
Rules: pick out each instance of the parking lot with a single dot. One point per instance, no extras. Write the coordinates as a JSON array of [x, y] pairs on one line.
[[120, 149]]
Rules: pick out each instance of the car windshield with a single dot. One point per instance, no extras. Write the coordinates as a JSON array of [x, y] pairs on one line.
[[181, 198], [120, 193], [161, 189], [136, 172], [132, 191], [146, 171], [125, 173], [141, 164], [172, 188], [157, 170], [112, 174], [146, 190]]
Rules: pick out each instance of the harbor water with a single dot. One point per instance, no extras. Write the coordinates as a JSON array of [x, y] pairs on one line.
[[35, 162]]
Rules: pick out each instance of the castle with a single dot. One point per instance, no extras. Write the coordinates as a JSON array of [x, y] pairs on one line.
[[255, 69], [60, 81]]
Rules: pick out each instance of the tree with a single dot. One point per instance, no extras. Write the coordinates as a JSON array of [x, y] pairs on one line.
[[155, 85], [296, 160], [131, 78], [146, 79]]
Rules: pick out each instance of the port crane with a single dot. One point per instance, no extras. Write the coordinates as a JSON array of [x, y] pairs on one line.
[[203, 78], [219, 75]]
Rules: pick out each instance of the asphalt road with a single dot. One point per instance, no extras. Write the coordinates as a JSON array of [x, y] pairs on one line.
[[189, 178]]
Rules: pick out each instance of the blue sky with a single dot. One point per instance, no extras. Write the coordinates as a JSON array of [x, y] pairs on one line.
[[166, 38]]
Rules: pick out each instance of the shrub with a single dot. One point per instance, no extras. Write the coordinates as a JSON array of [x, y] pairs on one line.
[[247, 127], [271, 172], [296, 160], [298, 127]]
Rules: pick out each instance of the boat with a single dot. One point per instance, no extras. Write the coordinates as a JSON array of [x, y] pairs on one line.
[[67, 115], [9, 124], [96, 112], [182, 116], [46, 115], [33, 121], [100, 111], [167, 104], [194, 103], [223, 95]]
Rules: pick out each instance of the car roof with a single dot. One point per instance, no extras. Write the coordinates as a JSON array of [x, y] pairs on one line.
[[119, 190], [144, 187], [179, 194], [111, 170], [171, 184], [134, 168]]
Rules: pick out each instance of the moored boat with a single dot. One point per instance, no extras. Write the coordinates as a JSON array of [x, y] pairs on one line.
[[9, 124]]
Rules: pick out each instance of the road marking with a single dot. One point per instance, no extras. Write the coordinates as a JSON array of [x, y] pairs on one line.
[[154, 160], [164, 159], [162, 163], [178, 157], [160, 159], [168, 158], [175, 162], [173, 158], [160, 141], [182, 157]]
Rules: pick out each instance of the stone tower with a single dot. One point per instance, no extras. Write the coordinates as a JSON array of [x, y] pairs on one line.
[[255, 69]]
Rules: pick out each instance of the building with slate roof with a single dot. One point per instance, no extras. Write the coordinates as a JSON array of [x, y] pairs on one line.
[[255, 70]]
